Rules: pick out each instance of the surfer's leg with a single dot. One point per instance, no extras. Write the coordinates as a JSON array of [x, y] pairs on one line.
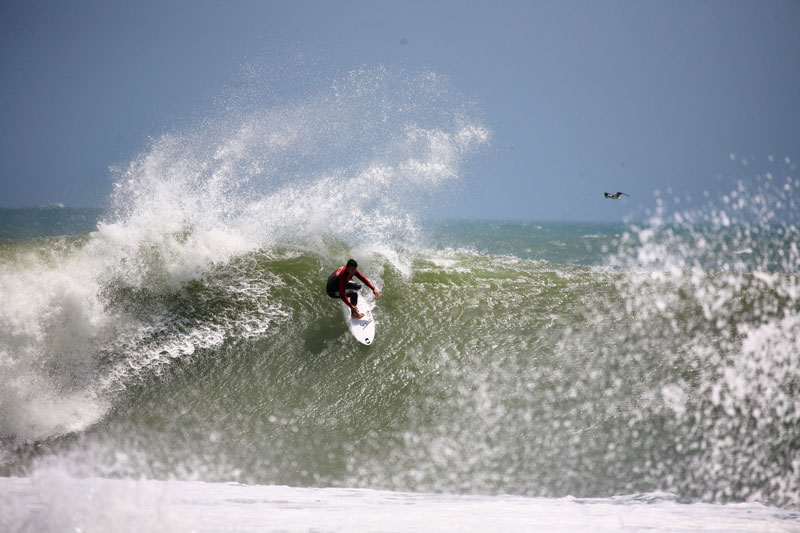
[[353, 297], [352, 292]]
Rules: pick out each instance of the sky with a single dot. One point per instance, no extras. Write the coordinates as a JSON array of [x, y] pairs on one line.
[[581, 97]]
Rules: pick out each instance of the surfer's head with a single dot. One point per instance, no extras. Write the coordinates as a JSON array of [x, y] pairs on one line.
[[352, 266]]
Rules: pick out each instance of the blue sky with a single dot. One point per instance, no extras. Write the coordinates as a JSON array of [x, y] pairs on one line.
[[581, 96]]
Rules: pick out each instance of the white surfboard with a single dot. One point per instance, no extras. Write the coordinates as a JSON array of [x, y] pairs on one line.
[[363, 329]]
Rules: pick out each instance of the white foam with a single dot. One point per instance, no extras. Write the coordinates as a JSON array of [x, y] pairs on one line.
[[54, 501]]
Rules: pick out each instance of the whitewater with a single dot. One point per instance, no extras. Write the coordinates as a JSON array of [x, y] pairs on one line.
[[171, 361]]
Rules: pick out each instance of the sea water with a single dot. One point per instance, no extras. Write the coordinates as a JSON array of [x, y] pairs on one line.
[[174, 363]]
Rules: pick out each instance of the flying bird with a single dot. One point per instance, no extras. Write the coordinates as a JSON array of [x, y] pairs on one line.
[[616, 195]]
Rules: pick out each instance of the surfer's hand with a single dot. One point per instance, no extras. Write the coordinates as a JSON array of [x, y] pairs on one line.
[[376, 292]]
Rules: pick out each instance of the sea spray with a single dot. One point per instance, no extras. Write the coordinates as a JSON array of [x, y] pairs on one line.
[[719, 286]]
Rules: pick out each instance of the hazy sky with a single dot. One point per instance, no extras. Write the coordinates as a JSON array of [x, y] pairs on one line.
[[581, 96]]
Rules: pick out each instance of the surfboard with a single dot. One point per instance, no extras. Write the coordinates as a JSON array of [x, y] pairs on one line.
[[363, 329]]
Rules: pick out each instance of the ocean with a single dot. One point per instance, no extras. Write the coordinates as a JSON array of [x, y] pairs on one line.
[[171, 362]]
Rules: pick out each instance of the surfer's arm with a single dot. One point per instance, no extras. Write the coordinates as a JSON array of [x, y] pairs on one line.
[[343, 293], [360, 276]]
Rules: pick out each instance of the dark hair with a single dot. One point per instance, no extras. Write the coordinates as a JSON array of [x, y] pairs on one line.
[[352, 263]]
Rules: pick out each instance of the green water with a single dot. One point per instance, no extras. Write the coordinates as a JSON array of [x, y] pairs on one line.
[[496, 369]]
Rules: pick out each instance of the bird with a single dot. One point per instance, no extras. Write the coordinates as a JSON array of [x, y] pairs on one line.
[[615, 196]]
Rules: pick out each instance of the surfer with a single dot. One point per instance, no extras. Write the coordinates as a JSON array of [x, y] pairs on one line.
[[340, 286], [615, 196]]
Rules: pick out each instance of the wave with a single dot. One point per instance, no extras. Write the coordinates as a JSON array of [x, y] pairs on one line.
[[349, 164], [490, 374], [189, 336]]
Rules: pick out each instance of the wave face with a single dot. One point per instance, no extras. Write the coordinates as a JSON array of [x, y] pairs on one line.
[[189, 336]]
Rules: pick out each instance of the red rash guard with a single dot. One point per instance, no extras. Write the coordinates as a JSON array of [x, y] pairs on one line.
[[344, 278]]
